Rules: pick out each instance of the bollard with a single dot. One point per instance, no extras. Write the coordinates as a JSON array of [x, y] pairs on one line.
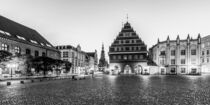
[[22, 82], [8, 83]]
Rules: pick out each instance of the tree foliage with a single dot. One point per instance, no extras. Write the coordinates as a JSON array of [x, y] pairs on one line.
[[4, 55]]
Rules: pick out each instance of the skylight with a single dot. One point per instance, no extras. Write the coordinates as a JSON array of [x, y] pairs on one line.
[[20, 37]]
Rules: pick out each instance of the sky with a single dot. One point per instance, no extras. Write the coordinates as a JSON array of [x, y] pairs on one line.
[[93, 22]]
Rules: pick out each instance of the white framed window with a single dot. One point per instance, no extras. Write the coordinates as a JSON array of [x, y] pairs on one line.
[[17, 49], [4, 47], [183, 70], [193, 52], [65, 54], [173, 61], [182, 61]]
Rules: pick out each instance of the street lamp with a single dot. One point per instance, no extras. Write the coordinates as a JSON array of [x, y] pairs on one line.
[[10, 66]]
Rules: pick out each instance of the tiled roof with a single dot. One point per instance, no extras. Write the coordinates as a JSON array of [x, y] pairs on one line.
[[14, 30]]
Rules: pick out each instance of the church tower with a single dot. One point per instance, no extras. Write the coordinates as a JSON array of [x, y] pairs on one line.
[[102, 61]]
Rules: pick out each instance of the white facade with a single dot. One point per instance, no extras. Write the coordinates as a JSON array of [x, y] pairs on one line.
[[178, 56]]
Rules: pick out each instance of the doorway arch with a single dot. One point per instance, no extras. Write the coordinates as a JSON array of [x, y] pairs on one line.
[[138, 69], [127, 69]]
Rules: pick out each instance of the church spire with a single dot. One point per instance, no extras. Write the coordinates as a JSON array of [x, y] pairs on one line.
[[102, 60], [103, 46], [127, 17]]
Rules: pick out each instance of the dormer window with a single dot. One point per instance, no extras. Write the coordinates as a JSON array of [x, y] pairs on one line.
[[2, 32], [20, 37], [32, 41], [48, 45], [7, 33], [42, 44]]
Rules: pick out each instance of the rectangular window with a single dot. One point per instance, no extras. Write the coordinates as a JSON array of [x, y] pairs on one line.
[[132, 48], [36, 53], [17, 50], [183, 70], [203, 52], [43, 54], [122, 41], [207, 52], [193, 52], [135, 56], [4, 47], [127, 48], [137, 48], [118, 49], [193, 61], [130, 57], [115, 49], [193, 70], [207, 60], [203, 60], [182, 61], [65, 59], [182, 52], [119, 56], [162, 53], [162, 61], [65, 54], [172, 52], [141, 57], [114, 57], [28, 51], [127, 41], [133, 41], [125, 57], [173, 61], [173, 70]]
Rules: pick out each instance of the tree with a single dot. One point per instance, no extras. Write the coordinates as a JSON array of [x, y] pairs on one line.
[[4, 55], [67, 65], [63, 64], [43, 64]]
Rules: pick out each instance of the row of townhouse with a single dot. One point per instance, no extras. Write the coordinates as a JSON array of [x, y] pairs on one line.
[[82, 62]]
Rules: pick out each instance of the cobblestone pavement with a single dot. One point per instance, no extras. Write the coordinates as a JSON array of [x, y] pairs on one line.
[[111, 90]]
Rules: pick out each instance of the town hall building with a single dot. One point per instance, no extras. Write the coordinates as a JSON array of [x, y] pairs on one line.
[[128, 53]]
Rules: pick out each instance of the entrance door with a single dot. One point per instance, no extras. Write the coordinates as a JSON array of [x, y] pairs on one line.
[[138, 69], [127, 69], [162, 71]]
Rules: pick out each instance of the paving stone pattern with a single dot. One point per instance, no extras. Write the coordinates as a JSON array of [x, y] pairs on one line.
[[111, 90]]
